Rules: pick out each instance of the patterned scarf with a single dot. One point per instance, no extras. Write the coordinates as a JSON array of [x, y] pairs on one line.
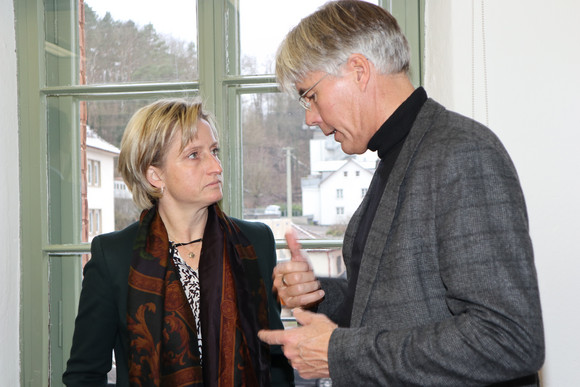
[[162, 333]]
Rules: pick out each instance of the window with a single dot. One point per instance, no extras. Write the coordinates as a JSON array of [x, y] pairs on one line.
[[357, 173], [345, 173], [93, 173], [339, 193], [363, 192], [72, 87], [94, 222], [339, 210]]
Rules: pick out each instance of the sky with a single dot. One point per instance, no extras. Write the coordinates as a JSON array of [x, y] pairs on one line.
[[174, 17]]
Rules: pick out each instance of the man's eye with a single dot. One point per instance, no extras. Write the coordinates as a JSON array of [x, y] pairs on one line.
[[216, 151]]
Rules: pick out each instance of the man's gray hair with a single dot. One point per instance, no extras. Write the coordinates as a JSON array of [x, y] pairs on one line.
[[324, 41]]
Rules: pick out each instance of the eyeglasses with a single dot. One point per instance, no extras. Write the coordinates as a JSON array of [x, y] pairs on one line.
[[304, 100]]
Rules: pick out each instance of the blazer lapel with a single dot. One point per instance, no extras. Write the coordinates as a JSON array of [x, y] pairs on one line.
[[353, 224], [378, 237]]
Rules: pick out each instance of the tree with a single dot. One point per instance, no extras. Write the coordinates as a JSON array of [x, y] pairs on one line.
[[272, 122], [123, 52]]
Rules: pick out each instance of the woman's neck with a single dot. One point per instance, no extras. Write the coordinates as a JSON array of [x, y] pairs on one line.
[[183, 226]]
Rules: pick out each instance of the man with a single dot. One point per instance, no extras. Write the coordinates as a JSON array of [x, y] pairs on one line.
[[442, 288]]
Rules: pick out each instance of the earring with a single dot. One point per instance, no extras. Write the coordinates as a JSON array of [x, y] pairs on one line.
[[162, 190]]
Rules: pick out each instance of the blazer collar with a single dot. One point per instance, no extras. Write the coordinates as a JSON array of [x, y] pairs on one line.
[[381, 226]]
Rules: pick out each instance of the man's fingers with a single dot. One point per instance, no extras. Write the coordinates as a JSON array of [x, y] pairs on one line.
[[298, 294], [305, 280], [308, 299], [291, 267], [272, 337], [293, 288]]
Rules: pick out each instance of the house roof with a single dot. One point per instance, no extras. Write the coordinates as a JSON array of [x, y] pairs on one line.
[[347, 162], [96, 142]]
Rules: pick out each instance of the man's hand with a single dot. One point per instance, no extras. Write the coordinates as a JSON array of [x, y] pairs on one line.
[[294, 281], [306, 346]]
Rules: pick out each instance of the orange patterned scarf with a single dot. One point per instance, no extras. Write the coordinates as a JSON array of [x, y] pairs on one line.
[[162, 333]]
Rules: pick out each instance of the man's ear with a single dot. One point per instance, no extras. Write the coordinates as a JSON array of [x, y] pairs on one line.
[[361, 65], [154, 177]]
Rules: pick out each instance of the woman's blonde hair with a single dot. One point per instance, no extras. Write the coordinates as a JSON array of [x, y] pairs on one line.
[[147, 137]]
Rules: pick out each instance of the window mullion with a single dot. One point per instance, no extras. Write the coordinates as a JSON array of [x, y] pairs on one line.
[[218, 57], [33, 193]]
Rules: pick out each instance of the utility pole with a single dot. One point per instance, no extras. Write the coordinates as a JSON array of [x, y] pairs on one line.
[[288, 182]]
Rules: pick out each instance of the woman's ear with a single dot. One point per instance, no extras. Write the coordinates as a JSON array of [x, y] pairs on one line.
[[154, 177]]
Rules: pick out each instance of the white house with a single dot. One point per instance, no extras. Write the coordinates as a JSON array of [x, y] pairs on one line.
[[337, 181], [100, 184], [121, 189], [327, 156], [333, 197]]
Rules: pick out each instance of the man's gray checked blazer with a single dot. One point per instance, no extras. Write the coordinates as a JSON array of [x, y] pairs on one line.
[[447, 293]]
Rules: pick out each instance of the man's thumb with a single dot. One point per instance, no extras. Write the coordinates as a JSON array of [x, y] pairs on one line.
[[303, 317], [294, 246]]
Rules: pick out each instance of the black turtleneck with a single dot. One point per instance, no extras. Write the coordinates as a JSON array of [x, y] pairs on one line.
[[388, 141]]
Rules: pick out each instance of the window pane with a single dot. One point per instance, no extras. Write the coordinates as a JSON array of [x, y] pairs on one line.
[[137, 41], [63, 170], [324, 189], [89, 172], [108, 200], [272, 131], [61, 45], [63, 291], [263, 26]]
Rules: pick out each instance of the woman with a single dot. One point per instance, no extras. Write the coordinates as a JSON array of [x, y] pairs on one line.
[[181, 294]]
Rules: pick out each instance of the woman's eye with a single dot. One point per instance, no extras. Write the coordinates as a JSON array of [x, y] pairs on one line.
[[193, 155]]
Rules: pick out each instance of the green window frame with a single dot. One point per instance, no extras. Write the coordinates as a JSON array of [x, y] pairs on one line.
[[50, 213]]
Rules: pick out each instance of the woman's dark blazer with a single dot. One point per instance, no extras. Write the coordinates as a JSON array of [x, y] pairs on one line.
[[101, 322]]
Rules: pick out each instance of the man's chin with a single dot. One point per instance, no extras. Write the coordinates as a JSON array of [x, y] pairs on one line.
[[350, 150]]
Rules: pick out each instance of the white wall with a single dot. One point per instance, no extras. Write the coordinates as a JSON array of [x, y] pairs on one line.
[[103, 196], [532, 64], [351, 186], [311, 205], [9, 204]]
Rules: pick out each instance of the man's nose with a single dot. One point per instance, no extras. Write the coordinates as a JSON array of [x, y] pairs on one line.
[[311, 117]]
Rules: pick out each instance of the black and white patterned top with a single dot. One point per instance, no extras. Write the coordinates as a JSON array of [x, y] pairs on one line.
[[190, 281]]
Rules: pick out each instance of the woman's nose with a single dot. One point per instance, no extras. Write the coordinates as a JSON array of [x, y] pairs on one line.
[[215, 165]]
